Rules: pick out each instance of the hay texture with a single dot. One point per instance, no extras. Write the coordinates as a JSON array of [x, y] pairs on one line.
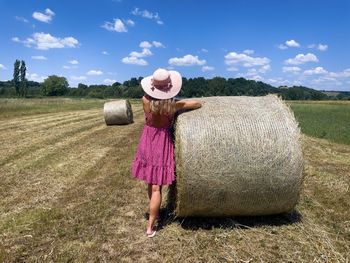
[[237, 156], [118, 112]]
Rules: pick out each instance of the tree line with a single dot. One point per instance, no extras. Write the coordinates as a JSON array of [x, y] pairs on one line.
[[192, 87]]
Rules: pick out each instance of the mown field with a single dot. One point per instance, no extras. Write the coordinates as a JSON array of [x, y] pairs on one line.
[[66, 194]]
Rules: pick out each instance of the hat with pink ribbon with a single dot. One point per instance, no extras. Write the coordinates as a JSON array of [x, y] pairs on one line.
[[163, 84]]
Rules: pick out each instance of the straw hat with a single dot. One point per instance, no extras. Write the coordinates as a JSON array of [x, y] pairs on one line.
[[163, 84]]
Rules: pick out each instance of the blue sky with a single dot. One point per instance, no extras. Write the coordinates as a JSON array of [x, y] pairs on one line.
[[95, 42]]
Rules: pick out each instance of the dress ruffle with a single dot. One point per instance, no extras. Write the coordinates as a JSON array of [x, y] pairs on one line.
[[152, 174]]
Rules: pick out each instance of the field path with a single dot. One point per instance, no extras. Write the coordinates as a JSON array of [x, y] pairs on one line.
[[66, 195]]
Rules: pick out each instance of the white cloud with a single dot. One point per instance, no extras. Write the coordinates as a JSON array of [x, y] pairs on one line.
[[328, 76], [311, 46], [301, 59], [135, 57], [288, 43], [134, 61], [22, 19], [145, 53], [232, 69], [157, 44], [78, 78], [248, 51], [271, 81], [234, 58], [35, 77], [117, 26], [321, 47], [49, 12], [39, 57], [278, 81], [94, 72], [346, 73], [69, 42], [315, 71], [73, 62], [16, 39], [129, 22], [251, 74], [204, 50], [46, 41], [265, 68], [46, 18], [105, 53], [145, 44], [325, 79], [207, 68], [292, 43], [109, 81], [187, 60], [321, 79], [256, 77], [294, 70], [281, 46], [147, 14], [2, 67]]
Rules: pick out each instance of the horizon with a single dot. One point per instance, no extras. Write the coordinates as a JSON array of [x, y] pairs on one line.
[[289, 43]]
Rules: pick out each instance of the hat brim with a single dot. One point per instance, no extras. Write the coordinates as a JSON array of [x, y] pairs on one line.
[[176, 81]]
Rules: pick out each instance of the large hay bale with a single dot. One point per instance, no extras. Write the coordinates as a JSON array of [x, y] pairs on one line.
[[118, 112], [237, 156]]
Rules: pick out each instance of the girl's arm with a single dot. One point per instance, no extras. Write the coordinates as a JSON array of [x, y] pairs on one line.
[[188, 104]]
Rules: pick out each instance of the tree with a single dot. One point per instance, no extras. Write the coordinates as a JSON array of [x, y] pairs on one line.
[[133, 82], [55, 86], [217, 87], [23, 84], [16, 73], [116, 84], [82, 86]]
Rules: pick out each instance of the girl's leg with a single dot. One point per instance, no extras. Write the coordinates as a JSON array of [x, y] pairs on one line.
[[150, 196], [154, 206]]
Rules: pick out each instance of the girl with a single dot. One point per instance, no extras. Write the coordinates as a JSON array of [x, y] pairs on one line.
[[154, 158]]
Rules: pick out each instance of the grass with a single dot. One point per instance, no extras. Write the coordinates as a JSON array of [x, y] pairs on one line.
[[66, 195], [324, 119], [22, 107]]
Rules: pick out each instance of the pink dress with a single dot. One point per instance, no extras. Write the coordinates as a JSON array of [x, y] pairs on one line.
[[154, 159]]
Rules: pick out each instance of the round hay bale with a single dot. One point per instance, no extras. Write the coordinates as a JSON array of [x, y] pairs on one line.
[[237, 156], [118, 112]]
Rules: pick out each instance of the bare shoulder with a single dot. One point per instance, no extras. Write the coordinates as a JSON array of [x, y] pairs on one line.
[[145, 103]]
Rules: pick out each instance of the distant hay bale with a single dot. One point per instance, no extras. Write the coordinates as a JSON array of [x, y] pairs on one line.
[[237, 156], [118, 112]]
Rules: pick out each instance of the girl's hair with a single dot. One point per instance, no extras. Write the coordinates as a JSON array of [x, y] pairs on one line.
[[162, 107]]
